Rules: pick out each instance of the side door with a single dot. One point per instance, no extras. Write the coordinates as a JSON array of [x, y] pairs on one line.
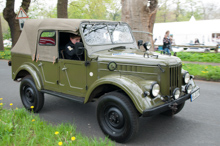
[[72, 77], [46, 57]]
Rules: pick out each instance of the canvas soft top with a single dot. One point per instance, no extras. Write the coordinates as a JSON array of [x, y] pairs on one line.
[[27, 41]]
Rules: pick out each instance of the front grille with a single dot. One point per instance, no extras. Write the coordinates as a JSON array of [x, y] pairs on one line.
[[175, 74]]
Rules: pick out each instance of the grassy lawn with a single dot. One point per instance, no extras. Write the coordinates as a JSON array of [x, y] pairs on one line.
[[207, 72], [5, 54], [19, 127], [199, 57]]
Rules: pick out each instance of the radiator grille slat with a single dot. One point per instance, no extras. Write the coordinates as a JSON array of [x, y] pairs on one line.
[[174, 77]]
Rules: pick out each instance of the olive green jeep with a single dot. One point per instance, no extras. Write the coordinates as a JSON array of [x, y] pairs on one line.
[[127, 82]]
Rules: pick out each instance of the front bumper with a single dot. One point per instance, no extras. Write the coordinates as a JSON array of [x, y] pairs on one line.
[[166, 106]]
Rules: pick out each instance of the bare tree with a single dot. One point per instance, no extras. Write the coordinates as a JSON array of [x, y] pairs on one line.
[[140, 15], [1, 36], [178, 10], [165, 10], [62, 9], [10, 15], [210, 11]]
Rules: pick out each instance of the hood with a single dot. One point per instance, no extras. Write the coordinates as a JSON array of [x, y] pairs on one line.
[[135, 56]]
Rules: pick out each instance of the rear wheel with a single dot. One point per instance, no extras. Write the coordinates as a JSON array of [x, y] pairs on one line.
[[117, 116], [30, 96], [171, 112]]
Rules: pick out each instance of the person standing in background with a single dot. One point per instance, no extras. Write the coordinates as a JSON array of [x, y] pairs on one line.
[[166, 43]]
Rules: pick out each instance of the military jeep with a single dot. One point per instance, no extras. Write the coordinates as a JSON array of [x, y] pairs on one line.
[[127, 82]]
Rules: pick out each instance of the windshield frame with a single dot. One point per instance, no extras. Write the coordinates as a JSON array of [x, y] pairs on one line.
[[91, 49], [106, 23]]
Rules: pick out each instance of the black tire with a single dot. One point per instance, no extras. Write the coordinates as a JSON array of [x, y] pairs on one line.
[[117, 116], [30, 96], [171, 113]]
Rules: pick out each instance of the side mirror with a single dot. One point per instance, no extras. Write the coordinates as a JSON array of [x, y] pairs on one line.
[[147, 45], [79, 48], [140, 43]]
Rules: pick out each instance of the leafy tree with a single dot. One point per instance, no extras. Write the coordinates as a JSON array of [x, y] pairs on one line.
[[163, 11], [1, 36], [37, 10], [94, 9], [178, 11], [114, 10]]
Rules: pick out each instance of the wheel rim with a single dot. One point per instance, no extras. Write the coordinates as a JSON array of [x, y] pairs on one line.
[[114, 118], [29, 95]]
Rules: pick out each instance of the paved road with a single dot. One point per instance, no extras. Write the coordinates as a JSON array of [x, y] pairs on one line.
[[198, 124]]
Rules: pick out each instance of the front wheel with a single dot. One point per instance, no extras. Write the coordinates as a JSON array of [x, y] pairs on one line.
[[31, 98], [117, 116]]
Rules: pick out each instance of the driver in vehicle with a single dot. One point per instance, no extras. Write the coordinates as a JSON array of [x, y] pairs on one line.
[[69, 51]]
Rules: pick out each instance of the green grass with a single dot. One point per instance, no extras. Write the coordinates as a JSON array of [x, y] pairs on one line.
[[19, 127], [207, 72], [199, 57], [6, 54]]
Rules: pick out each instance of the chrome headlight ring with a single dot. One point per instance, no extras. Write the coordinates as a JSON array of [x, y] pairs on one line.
[[176, 93], [188, 88], [155, 90], [186, 77]]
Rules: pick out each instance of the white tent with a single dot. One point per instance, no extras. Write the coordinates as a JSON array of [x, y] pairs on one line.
[[185, 32]]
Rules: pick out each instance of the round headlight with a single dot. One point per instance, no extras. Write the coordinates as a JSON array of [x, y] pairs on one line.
[[186, 78], [189, 88], [155, 89], [176, 93]]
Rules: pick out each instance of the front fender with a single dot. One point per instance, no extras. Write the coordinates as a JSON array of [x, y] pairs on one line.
[[33, 72], [133, 86]]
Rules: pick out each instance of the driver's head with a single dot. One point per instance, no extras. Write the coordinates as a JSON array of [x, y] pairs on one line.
[[74, 38]]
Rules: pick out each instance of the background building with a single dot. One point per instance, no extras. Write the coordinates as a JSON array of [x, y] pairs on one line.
[[207, 31]]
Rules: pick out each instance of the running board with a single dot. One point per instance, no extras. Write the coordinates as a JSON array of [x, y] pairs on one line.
[[66, 96]]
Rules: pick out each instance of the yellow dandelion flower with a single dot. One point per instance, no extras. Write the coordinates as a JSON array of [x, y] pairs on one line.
[[56, 132], [60, 143], [1, 98], [183, 64], [16, 108], [1, 103], [73, 138], [33, 120], [32, 107], [11, 104]]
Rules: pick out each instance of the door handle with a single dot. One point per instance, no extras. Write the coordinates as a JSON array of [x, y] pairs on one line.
[[64, 69], [40, 64]]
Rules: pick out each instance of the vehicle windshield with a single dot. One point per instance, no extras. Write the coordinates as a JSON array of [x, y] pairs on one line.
[[99, 34]]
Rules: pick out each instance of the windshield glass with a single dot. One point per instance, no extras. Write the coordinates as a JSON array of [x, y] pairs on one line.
[[96, 34]]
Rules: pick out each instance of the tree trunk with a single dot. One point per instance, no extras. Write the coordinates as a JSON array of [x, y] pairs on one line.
[[62, 9], [10, 15], [1, 36], [140, 15]]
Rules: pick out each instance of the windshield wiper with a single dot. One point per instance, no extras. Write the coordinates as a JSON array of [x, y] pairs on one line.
[[115, 27], [94, 30]]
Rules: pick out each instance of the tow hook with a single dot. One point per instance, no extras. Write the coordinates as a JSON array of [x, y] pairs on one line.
[[173, 107]]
